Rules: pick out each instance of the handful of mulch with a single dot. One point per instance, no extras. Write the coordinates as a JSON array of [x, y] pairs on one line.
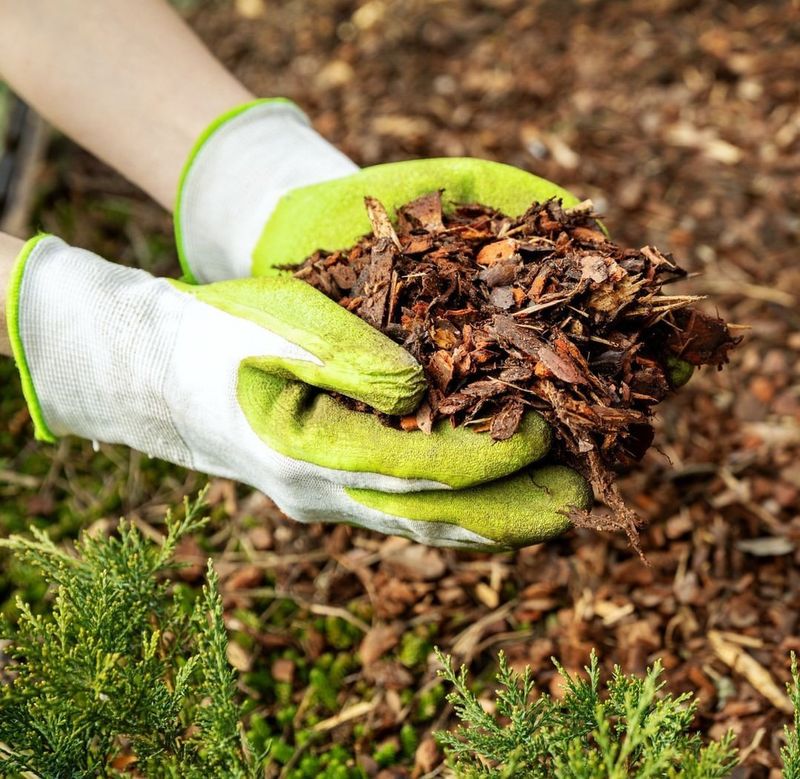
[[537, 312]]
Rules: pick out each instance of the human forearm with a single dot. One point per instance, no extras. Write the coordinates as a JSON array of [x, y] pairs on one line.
[[129, 81], [9, 249], [134, 85]]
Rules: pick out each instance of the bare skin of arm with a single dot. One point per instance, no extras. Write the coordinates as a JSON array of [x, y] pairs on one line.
[[129, 81], [9, 249]]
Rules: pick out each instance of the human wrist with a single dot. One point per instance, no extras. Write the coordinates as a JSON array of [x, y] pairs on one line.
[[10, 248], [238, 171]]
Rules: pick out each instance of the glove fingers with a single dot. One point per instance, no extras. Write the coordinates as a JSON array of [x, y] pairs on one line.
[[301, 423], [331, 215], [345, 354], [522, 509]]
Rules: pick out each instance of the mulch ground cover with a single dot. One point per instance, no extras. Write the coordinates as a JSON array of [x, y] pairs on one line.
[[680, 121]]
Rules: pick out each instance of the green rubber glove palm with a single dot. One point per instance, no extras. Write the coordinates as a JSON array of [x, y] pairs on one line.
[[520, 509], [331, 215]]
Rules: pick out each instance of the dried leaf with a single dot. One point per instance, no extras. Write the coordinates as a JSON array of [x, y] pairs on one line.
[[759, 677], [701, 339], [424, 213], [378, 640], [379, 219], [506, 421], [440, 368], [412, 562]]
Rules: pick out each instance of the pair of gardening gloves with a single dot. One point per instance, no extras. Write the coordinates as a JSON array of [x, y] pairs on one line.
[[226, 372]]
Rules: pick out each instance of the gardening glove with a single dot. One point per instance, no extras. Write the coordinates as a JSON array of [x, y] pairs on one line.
[[260, 189], [222, 378], [237, 172]]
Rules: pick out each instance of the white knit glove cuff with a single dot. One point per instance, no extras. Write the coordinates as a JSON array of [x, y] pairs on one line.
[[97, 340], [241, 167]]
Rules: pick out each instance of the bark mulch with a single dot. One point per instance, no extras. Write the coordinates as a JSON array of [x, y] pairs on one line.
[[540, 312], [680, 121]]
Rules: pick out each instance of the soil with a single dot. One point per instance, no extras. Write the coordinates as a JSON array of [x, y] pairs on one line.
[[680, 121]]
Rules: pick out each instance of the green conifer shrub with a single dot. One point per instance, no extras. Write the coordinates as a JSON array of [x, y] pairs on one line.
[[632, 730], [120, 673], [790, 754], [123, 673]]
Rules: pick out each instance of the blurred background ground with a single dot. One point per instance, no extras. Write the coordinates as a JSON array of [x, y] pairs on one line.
[[681, 120]]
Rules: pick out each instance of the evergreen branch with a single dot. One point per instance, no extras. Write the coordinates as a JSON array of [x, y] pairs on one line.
[[95, 679], [790, 754], [630, 730]]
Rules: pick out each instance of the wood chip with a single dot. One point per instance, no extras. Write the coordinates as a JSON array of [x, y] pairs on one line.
[[742, 663]]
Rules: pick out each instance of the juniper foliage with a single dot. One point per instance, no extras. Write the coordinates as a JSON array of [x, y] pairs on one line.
[[790, 754], [120, 673], [632, 730]]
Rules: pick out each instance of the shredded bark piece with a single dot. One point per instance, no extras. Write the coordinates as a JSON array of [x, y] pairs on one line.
[[538, 312]]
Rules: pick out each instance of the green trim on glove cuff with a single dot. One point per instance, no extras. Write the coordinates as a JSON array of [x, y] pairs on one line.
[[299, 422], [331, 215], [188, 275], [520, 510], [41, 431]]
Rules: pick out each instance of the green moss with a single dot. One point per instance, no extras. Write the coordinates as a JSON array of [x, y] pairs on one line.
[[324, 692], [429, 703], [259, 733], [408, 740], [340, 633], [248, 618], [261, 682], [285, 716], [386, 754], [283, 693], [414, 649], [281, 752]]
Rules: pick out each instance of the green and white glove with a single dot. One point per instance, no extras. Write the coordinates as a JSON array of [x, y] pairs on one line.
[[222, 378], [262, 189], [238, 171]]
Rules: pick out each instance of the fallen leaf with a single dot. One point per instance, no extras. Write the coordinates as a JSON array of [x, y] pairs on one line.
[[379, 639], [239, 657], [769, 546], [414, 562], [742, 663], [283, 670]]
